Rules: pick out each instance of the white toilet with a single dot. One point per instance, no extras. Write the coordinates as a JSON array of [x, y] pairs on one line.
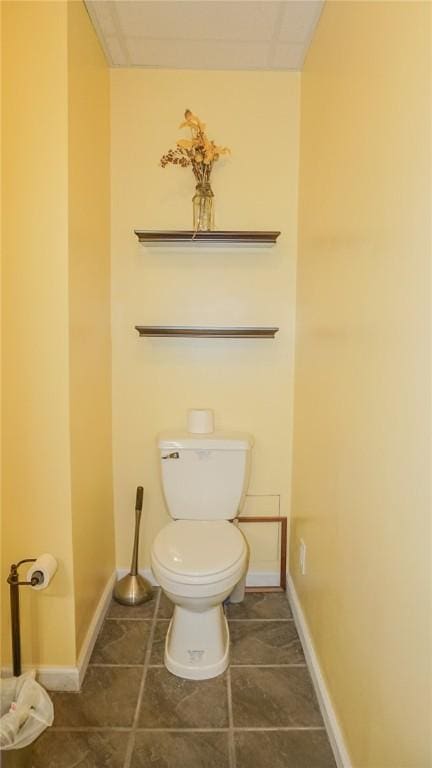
[[201, 556]]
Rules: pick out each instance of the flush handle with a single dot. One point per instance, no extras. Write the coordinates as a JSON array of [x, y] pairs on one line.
[[174, 455]]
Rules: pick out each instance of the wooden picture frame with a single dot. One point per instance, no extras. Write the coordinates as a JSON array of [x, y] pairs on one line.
[[283, 522]]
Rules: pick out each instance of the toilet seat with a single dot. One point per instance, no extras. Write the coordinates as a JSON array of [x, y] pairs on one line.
[[203, 552]]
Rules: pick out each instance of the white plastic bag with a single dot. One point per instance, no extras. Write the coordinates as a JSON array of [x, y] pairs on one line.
[[26, 710]]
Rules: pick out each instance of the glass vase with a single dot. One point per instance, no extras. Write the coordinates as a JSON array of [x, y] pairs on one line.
[[203, 210]]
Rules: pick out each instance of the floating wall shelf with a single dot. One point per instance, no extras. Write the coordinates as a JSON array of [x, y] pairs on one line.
[[198, 238], [163, 331]]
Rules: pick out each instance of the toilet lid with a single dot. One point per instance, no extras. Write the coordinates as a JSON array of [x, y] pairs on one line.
[[199, 548]]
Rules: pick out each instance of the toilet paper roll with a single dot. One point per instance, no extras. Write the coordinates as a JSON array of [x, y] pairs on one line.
[[200, 421], [43, 569]]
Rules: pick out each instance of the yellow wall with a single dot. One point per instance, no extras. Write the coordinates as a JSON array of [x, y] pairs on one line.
[[89, 308], [56, 361], [247, 383], [35, 366], [362, 391], [1, 313]]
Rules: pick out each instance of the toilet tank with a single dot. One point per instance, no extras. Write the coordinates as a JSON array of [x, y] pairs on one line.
[[204, 477]]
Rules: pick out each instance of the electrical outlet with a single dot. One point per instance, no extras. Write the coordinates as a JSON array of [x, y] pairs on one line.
[[302, 557]]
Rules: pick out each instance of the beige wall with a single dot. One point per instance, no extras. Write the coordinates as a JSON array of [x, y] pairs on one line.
[[89, 313], [247, 383], [55, 319], [362, 392]]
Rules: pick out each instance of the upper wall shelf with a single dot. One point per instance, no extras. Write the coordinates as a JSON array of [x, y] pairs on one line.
[[225, 237], [162, 331]]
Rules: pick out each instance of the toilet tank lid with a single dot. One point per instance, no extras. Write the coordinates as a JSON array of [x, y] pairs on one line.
[[222, 441]]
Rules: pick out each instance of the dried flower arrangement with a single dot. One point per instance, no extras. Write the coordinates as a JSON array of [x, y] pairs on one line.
[[199, 151]]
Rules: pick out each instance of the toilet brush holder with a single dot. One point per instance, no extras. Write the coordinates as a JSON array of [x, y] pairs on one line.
[[134, 589]]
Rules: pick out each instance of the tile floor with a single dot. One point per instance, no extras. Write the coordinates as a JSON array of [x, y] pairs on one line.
[[132, 713]]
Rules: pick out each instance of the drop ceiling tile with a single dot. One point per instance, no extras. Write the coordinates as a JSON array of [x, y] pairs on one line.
[[288, 56], [117, 51], [101, 10], [202, 20], [198, 54], [206, 34], [299, 20]]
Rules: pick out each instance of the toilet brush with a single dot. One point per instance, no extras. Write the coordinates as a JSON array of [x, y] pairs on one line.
[[134, 589]]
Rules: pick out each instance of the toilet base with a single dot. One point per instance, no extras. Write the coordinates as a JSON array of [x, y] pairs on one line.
[[197, 644]]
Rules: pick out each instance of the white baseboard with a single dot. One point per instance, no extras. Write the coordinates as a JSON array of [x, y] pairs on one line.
[[70, 678], [253, 578], [94, 629], [58, 678], [262, 579], [52, 678], [327, 710]]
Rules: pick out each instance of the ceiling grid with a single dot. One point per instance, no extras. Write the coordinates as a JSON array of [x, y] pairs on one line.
[[206, 34]]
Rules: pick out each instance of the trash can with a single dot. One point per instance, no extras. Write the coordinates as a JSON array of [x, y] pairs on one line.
[[26, 710]]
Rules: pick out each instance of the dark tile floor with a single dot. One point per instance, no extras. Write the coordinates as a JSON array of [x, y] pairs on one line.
[[132, 713]]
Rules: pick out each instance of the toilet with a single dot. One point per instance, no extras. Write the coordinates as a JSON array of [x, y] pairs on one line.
[[201, 556]]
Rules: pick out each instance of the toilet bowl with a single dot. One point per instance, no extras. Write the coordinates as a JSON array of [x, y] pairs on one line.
[[198, 564], [201, 556]]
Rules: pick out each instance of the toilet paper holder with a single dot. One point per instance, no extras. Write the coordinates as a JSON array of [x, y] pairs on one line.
[[14, 585]]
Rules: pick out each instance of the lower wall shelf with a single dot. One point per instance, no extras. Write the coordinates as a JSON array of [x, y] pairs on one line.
[[213, 333], [226, 237]]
